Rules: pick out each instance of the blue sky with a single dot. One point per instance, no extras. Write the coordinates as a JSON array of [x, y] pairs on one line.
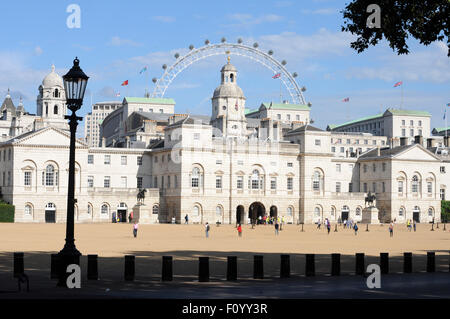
[[117, 38]]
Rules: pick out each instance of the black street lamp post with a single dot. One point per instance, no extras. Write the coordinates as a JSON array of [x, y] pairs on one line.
[[75, 82]]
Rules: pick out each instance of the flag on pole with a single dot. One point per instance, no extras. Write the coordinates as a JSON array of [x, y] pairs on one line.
[[398, 83], [125, 83], [143, 70], [276, 76], [346, 99]]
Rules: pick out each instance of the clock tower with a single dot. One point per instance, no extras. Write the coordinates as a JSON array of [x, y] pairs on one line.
[[228, 104]]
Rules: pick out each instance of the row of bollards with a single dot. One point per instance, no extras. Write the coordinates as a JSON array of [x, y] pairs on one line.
[[258, 266]]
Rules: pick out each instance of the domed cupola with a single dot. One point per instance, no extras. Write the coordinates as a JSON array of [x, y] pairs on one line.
[[52, 79], [228, 86]]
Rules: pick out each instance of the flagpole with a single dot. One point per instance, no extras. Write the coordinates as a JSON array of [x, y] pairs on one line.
[[401, 105]]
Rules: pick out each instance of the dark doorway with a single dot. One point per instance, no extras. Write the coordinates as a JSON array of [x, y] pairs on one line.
[[273, 212], [50, 216], [239, 214], [255, 211], [122, 213], [344, 215], [416, 217]]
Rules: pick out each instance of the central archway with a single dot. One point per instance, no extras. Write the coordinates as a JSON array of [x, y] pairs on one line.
[[240, 214], [255, 211]]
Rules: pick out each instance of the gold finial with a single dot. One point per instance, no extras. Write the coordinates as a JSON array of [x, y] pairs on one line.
[[228, 58]]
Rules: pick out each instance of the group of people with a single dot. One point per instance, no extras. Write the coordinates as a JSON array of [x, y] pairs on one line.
[[410, 224]]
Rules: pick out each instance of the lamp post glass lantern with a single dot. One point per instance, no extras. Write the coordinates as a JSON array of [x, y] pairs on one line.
[[75, 82]]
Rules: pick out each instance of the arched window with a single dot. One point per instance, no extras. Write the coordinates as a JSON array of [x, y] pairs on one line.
[[317, 212], [28, 210], [401, 212], [415, 184], [56, 93], [231, 77], [316, 181], [155, 209], [55, 109], [289, 211], [333, 211], [256, 180], [105, 209], [358, 211], [196, 211], [218, 210], [49, 175], [195, 177], [89, 209], [430, 212]]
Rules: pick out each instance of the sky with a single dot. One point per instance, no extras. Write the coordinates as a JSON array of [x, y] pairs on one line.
[[116, 39]]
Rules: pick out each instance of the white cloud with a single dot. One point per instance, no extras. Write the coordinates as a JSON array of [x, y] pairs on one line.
[[323, 11], [117, 41], [38, 50], [429, 64], [164, 19], [245, 20]]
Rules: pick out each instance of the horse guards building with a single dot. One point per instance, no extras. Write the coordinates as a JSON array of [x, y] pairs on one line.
[[232, 167]]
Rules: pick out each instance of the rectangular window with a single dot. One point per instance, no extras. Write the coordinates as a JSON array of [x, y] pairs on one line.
[[123, 160], [365, 187], [374, 187], [289, 164], [155, 182], [348, 141], [273, 183], [196, 136], [240, 182], [411, 123], [333, 149], [384, 167], [218, 182], [429, 187], [240, 162], [420, 123], [400, 186], [90, 181], [384, 187], [403, 132], [27, 179], [342, 150], [107, 159], [442, 169], [317, 142], [168, 181], [139, 160], [289, 183], [350, 187], [175, 181], [297, 117], [106, 182], [403, 122], [442, 193], [91, 159], [338, 168], [219, 162], [338, 187], [411, 132], [161, 111], [374, 167], [365, 168]]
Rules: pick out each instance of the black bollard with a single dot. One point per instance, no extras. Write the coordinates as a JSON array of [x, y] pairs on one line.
[[384, 263], [432, 227], [437, 225], [203, 269], [444, 227], [431, 264], [335, 264], [258, 267], [367, 227], [232, 268], [285, 266], [92, 269], [302, 226], [129, 267], [310, 269], [335, 228], [407, 263], [166, 272], [18, 265], [359, 265], [54, 266]]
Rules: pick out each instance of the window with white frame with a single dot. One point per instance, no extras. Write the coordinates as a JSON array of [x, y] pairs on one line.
[[49, 175], [358, 211], [338, 187], [90, 180], [90, 159], [123, 181], [290, 184], [429, 187], [240, 182], [155, 210], [139, 160], [316, 181], [415, 184], [273, 183], [400, 186], [195, 177], [218, 182], [289, 211], [123, 160], [27, 178], [139, 182], [28, 210], [401, 212], [104, 209], [107, 159], [338, 168], [106, 181]]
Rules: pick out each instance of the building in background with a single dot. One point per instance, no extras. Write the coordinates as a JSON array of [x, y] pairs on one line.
[[94, 120]]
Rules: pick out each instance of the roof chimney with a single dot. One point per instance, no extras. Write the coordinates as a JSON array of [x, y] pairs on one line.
[[418, 139], [403, 141]]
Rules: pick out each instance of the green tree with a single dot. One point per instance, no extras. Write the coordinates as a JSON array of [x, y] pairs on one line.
[[425, 20], [445, 210]]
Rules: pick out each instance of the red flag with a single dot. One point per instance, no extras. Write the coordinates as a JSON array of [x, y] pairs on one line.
[[346, 99], [398, 83], [125, 83], [276, 76]]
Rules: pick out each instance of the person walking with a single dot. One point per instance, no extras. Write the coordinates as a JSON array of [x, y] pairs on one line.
[[356, 228], [391, 229], [328, 225], [186, 219], [135, 228], [408, 225], [414, 224], [207, 229], [318, 224], [239, 229], [276, 228]]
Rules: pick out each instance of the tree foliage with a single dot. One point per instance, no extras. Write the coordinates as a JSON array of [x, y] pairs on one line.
[[424, 20], [445, 210]]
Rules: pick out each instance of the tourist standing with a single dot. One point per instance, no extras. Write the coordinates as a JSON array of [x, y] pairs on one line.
[[239, 229], [135, 229], [391, 229], [318, 224], [356, 228], [186, 219], [328, 225], [207, 229], [414, 224], [276, 228]]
